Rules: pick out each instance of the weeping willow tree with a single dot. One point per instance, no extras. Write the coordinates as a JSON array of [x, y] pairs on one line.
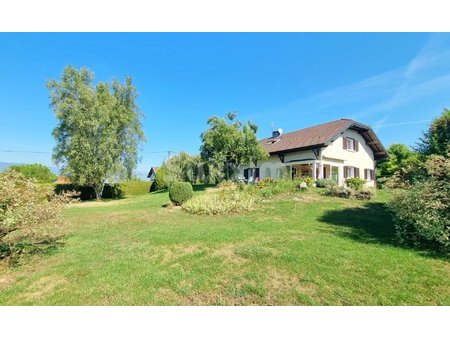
[[99, 128]]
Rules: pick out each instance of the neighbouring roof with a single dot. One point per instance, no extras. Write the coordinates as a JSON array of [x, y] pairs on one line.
[[153, 170], [321, 136]]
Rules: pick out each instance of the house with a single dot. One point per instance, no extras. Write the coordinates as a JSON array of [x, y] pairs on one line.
[[335, 150], [152, 173]]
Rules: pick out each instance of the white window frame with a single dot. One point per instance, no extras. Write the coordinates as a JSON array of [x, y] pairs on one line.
[[351, 172], [368, 174], [352, 142]]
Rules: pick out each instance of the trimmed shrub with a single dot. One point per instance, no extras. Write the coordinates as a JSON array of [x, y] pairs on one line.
[[323, 183], [30, 215], [355, 183], [134, 187], [180, 192]]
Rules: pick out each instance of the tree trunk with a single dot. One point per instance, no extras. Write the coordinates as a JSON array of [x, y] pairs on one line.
[[99, 191]]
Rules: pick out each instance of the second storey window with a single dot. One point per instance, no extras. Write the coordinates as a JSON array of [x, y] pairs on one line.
[[350, 144]]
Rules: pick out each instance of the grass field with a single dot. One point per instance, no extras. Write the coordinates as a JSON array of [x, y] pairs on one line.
[[305, 249]]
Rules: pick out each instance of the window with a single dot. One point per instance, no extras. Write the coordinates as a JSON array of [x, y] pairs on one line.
[[368, 174], [279, 173], [267, 173], [350, 144], [350, 172]]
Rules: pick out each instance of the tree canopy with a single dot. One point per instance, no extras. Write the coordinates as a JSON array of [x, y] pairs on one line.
[[436, 140], [37, 171], [400, 158], [228, 143], [99, 127]]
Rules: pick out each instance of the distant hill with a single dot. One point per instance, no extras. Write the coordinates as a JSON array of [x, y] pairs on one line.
[[5, 165]]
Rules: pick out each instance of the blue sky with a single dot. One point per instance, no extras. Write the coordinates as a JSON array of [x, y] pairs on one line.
[[394, 82]]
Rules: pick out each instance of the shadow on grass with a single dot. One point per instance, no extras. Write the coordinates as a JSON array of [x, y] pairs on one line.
[[371, 223]]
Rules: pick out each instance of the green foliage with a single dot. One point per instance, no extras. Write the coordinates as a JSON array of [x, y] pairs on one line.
[[436, 140], [228, 143], [422, 213], [323, 183], [402, 164], [160, 181], [185, 168], [355, 183], [363, 194], [227, 200], [308, 180], [338, 191], [30, 214], [134, 187], [180, 192], [99, 128], [37, 171]]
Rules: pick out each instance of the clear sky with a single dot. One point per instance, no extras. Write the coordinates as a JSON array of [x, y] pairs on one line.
[[394, 82]]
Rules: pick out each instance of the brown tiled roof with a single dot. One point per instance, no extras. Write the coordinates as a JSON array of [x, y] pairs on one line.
[[320, 136]]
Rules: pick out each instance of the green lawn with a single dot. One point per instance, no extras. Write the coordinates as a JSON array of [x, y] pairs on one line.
[[305, 249]]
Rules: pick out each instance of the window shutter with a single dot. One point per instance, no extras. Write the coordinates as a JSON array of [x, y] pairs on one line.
[[246, 174], [356, 145], [356, 172], [257, 173], [345, 171], [372, 175], [345, 142], [365, 174]]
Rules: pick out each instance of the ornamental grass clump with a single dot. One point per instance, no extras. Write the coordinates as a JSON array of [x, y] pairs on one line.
[[30, 215], [233, 198]]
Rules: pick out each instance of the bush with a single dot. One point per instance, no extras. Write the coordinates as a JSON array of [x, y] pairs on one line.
[[355, 183], [180, 192], [134, 187], [160, 182], [338, 191], [422, 213], [363, 194], [30, 214], [36, 171], [308, 180], [323, 183]]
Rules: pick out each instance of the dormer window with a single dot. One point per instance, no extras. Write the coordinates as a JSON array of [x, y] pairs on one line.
[[273, 141]]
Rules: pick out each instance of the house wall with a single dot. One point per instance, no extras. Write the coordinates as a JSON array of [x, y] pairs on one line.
[[362, 159], [334, 155]]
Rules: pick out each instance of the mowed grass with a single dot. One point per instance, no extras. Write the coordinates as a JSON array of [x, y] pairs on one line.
[[302, 249]]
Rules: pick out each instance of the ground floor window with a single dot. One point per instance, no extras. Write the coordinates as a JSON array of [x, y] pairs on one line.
[[350, 172], [368, 174]]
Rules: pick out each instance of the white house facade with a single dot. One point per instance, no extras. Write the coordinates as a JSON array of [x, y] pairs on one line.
[[335, 150]]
